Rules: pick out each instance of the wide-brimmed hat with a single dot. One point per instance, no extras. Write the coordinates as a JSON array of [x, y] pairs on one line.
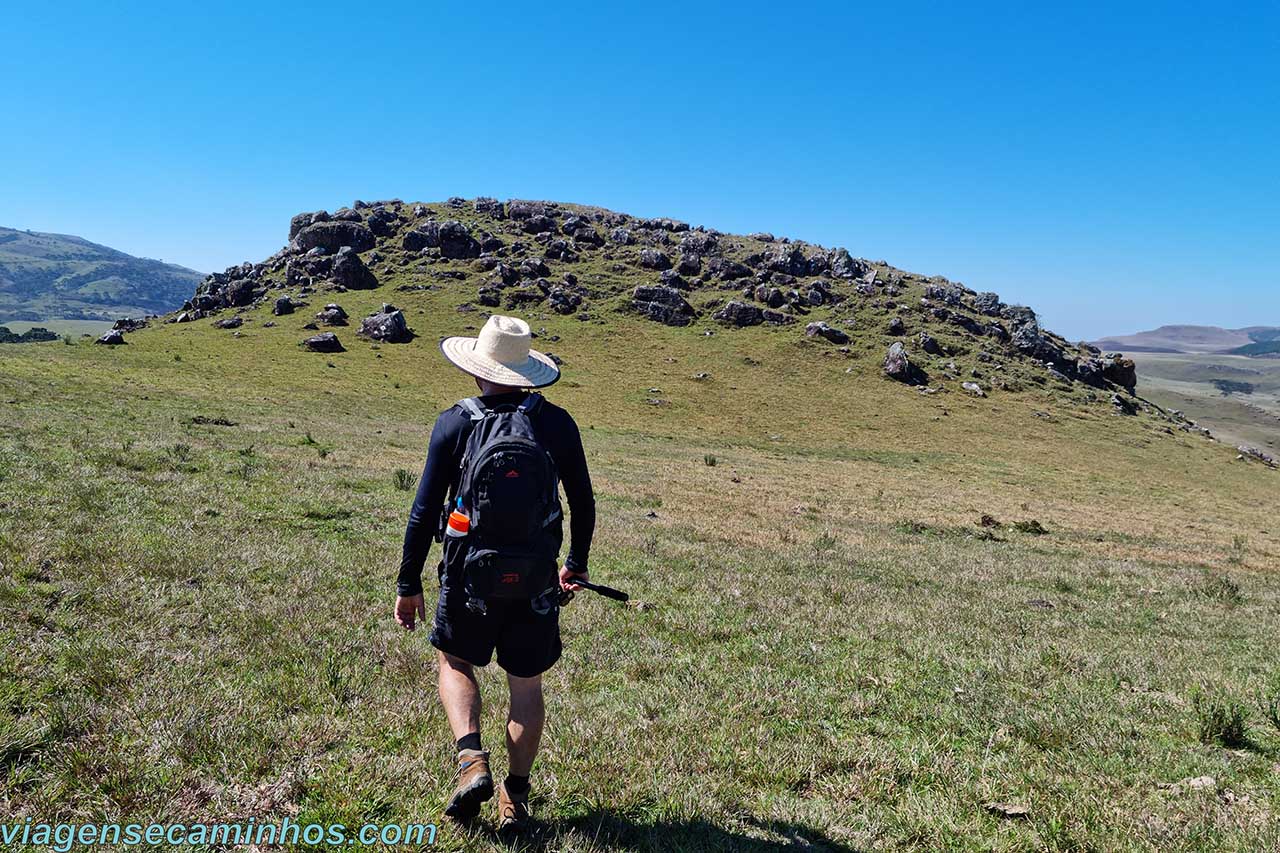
[[501, 354]]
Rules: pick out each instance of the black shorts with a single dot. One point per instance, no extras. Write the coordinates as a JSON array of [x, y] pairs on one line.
[[527, 643]]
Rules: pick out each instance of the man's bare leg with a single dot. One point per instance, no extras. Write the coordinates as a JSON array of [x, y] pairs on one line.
[[460, 695], [524, 734], [524, 723]]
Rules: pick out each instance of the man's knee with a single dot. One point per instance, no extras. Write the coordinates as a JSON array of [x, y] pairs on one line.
[[449, 663], [524, 687]]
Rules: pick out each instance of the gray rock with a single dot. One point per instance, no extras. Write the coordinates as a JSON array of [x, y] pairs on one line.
[[737, 313], [229, 323], [973, 388], [387, 325], [324, 342], [332, 315], [821, 329], [350, 272], [456, 241], [113, 338], [898, 366], [663, 304], [332, 236], [930, 344], [283, 305], [654, 259], [897, 327]]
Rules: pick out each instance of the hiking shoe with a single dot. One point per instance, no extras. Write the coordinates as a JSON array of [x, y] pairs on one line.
[[475, 785], [513, 812]]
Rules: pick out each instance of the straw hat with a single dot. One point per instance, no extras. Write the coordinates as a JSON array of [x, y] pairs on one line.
[[500, 353]]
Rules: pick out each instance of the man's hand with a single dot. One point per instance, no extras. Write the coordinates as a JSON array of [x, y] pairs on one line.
[[408, 608], [566, 579]]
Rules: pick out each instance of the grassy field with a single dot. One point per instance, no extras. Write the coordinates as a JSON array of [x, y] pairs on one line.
[[1186, 381], [57, 325], [826, 649]]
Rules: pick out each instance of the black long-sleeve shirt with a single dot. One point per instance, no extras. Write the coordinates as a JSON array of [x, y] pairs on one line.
[[555, 430]]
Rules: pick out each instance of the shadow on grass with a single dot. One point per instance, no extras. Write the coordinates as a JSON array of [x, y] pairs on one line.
[[615, 832]]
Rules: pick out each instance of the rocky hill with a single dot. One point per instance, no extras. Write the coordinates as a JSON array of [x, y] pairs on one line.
[[47, 276], [536, 258]]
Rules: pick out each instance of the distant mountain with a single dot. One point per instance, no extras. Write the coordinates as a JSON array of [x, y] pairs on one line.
[[1194, 339], [48, 276]]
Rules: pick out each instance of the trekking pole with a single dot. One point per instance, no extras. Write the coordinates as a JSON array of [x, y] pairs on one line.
[[606, 591]]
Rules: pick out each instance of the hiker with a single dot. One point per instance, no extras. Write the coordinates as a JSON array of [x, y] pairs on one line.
[[493, 465]]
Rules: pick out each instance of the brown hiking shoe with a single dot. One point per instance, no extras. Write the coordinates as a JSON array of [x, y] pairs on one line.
[[475, 785], [513, 812]]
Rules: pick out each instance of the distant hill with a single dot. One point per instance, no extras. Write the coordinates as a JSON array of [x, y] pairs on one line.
[[1193, 339], [46, 276]]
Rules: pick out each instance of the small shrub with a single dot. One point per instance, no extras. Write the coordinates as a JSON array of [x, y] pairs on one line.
[[1221, 588], [1031, 526], [322, 452], [1270, 703], [825, 542], [1222, 721], [307, 439], [179, 453], [404, 480], [1239, 547], [68, 340], [709, 460]]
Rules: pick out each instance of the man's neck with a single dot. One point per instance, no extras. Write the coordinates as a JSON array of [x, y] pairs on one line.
[[493, 389]]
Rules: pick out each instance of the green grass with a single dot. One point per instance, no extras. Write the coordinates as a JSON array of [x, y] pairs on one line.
[[828, 646]]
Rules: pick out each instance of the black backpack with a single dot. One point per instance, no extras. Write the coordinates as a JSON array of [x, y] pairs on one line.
[[509, 487]]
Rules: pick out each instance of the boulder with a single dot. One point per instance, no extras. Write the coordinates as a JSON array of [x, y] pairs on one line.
[[562, 300], [229, 323], [654, 259], [302, 220], [898, 366], [988, 303], [383, 222], [776, 318], [973, 388], [897, 327], [113, 338], [930, 344], [130, 324], [490, 207], [540, 224], [663, 304], [350, 272], [621, 236], [332, 236], [426, 235], [1123, 405], [283, 305], [822, 330], [332, 315], [1121, 371], [387, 325], [843, 265], [324, 342], [736, 313], [699, 243], [456, 241], [786, 259]]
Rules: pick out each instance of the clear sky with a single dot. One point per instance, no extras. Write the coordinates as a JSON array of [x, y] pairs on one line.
[[1114, 165]]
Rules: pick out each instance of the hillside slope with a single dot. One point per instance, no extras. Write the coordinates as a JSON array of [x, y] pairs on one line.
[[46, 276], [545, 259]]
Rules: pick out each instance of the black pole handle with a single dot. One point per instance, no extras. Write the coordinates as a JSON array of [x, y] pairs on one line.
[[606, 591]]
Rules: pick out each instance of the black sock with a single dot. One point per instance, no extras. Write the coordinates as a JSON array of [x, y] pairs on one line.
[[471, 741], [517, 785]]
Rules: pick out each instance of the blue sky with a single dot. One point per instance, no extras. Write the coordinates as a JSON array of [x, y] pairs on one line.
[[1116, 166]]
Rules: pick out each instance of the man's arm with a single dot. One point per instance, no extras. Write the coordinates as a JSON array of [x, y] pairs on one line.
[[582, 502], [424, 516]]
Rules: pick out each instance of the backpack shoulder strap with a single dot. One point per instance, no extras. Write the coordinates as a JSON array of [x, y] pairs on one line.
[[473, 407], [530, 403]]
